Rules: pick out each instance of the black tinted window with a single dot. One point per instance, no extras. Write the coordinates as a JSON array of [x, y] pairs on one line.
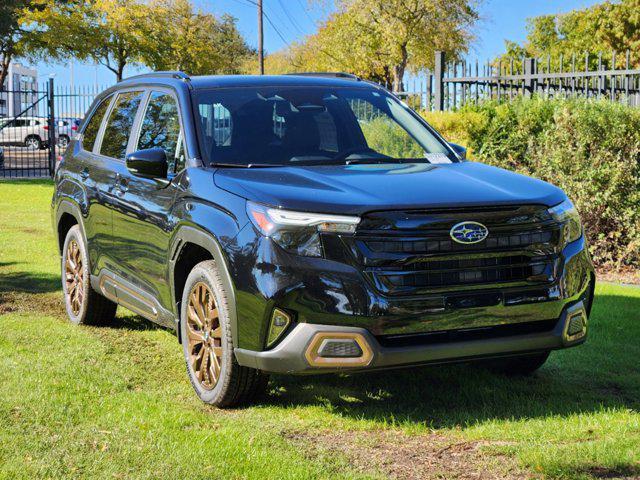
[[116, 135], [91, 131], [161, 128]]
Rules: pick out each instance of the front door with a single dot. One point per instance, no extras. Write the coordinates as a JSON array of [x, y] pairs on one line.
[[143, 224]]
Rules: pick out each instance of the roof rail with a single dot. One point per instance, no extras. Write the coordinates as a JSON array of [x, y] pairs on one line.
[[175, 74], [345, 75]]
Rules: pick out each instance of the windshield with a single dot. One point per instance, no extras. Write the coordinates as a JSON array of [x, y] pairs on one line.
[[311, 125]]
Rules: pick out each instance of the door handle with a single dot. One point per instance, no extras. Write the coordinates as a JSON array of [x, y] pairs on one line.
[[120, 185], [123, 185]]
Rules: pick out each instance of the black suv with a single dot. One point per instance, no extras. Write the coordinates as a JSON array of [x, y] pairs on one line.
[[306, 224]]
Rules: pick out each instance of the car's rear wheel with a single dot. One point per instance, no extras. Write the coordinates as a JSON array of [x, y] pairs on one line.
[[63, 141], [33, 142], [521, 364], [205, 331], [83, 304]]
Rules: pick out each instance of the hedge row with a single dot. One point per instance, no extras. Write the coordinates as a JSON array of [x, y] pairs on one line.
[[591, 149]]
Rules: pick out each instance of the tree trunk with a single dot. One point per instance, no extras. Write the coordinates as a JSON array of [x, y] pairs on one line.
[[399, 69], [4, 68]]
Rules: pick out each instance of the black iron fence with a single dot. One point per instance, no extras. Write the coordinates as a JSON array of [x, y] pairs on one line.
[[453, 84], [37, 125]]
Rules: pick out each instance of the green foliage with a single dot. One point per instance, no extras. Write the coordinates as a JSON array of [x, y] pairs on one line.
[[15, 38], [382, 39], [605, 27], [161, 34], [180, 38], [591, 149]]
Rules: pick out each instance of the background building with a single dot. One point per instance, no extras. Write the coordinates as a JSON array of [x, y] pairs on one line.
[[19, 91]]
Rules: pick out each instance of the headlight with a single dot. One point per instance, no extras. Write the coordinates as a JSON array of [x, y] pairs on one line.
[[298, 232], [566, 213]]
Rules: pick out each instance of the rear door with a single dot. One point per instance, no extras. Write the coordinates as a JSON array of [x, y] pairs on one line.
[[103, 171], [142, 226], [94, 177]]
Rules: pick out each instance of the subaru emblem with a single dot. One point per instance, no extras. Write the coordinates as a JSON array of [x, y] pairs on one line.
[[468, 232]]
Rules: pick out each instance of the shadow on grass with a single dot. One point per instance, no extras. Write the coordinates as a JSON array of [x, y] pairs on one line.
[[28, 282], [602, 373]]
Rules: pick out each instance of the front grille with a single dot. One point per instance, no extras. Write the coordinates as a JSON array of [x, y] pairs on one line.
[[446, 245], [408, 253]]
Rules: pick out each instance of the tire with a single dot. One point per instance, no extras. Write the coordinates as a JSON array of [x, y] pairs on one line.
[[63, 141], [84, 306], [520, 365], [33, 142], [215, 375]]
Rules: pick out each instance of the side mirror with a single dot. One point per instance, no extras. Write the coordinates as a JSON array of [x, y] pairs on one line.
[[460, 150], [150, 163]]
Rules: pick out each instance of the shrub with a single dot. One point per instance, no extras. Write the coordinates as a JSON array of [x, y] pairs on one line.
[[590, 149]]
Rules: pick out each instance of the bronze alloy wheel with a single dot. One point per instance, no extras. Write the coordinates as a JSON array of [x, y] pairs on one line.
[[74, 276], [204, 336]]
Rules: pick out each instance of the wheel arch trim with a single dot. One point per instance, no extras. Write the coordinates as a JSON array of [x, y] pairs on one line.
[[67, 207], [209, 242]]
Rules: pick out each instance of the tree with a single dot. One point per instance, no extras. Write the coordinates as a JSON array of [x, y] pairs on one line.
[[13, 33], [383, 39], [162, 34], [179, 38], [109, 32], [603, 28]]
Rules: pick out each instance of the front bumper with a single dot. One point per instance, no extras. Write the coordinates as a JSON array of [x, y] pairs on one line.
[[292, 355]]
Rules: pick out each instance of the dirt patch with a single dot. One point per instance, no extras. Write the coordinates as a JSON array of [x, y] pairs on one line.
[[24, 302], [412, 457], [627, 276], [624, 473]]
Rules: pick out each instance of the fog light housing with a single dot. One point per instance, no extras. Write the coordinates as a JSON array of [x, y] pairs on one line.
[[576, 325], [280, 320], [338, 349]]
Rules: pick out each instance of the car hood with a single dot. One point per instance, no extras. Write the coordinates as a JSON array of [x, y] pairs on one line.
[[355, 189]]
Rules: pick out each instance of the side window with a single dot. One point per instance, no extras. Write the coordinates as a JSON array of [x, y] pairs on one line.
[[116, 134], [91, 130], [161, 129]]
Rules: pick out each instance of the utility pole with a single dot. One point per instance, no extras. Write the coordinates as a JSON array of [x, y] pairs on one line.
[[260, 39]]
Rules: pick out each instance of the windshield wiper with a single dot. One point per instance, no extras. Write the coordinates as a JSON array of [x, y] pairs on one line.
[[356, 161], [244, 165]]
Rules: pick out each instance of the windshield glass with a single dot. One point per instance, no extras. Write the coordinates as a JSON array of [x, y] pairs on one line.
[[311, 125]]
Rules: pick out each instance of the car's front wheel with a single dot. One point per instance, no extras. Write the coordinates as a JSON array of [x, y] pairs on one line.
[[216, 376], [83, 304]]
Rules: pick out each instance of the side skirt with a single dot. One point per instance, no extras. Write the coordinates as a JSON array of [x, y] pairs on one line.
[[119, 290]]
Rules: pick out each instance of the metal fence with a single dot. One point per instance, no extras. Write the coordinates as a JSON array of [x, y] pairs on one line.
[[36, 125], [453, 84], [37, 128]]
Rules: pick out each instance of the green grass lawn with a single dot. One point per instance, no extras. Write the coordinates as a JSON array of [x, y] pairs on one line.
[[115, 402]]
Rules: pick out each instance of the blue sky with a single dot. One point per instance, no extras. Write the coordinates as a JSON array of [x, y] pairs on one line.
[[502, 19]]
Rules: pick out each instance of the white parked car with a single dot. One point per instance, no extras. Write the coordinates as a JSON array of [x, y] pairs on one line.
[[67, 129], [30, 132]]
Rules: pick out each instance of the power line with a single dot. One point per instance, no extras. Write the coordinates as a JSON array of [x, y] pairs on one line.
[[306, 12], [293, 22]]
